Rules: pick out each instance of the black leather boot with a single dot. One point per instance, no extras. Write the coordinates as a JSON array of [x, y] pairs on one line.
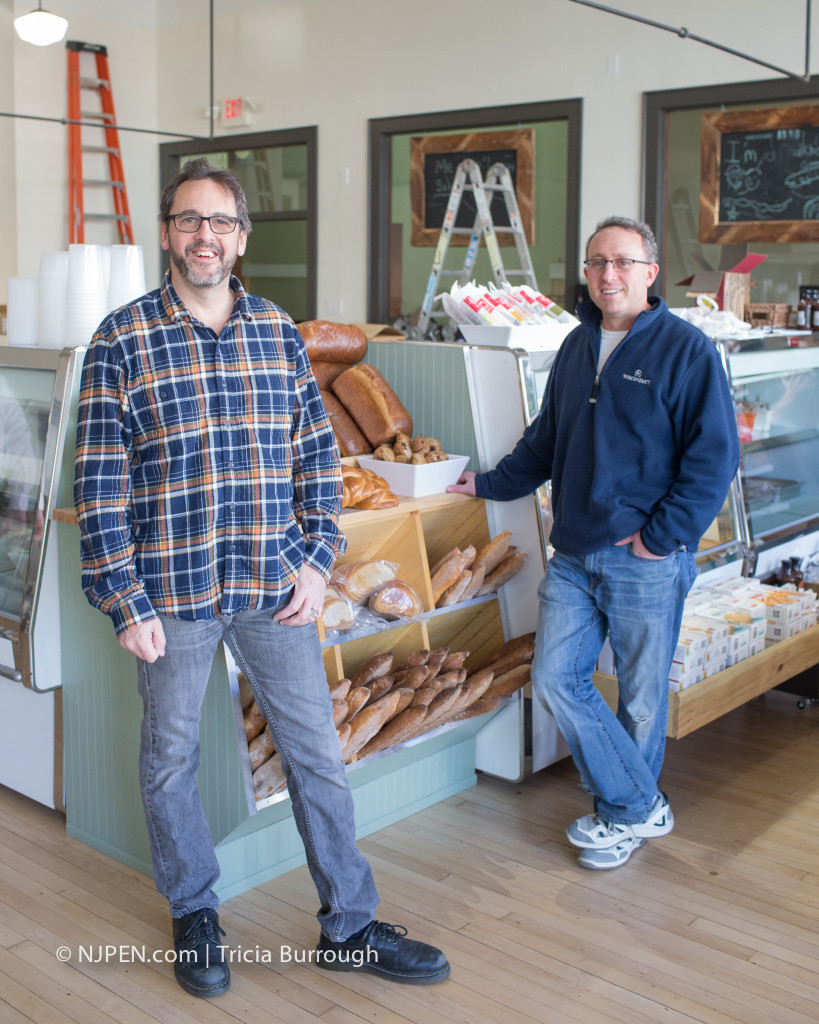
[[384, 950], [200, 966]]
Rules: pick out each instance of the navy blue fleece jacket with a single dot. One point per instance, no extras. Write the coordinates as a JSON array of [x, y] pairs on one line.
[[651, 444]]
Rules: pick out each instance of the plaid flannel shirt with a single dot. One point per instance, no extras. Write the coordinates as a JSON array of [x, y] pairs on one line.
[[207, 470]]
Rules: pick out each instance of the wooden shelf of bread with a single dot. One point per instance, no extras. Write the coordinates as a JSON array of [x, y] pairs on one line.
[[427, 655]]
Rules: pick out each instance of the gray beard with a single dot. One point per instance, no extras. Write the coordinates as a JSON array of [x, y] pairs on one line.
[[201, 278]]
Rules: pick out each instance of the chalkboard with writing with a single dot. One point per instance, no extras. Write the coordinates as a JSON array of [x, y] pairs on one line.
[[439, 173], [433, 162], [760, 175], [770, 175]]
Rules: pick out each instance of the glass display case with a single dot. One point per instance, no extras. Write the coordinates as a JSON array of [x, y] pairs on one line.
[[34, 386], [776, 396]]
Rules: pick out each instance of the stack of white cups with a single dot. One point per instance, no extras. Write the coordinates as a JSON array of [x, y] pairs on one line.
[[53, 280], [73, 293], [22, 311], [127, 279], [86, 293]]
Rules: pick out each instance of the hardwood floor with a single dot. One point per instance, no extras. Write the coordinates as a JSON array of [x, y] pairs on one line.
[[717, 923]]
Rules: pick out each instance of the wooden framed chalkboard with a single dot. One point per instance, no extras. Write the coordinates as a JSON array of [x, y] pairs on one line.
[[433, 161], [759, 179]]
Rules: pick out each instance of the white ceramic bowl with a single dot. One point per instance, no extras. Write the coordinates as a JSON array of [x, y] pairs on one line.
[[417, 481]]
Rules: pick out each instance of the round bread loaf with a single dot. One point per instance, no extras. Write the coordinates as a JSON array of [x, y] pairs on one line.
[[327, 342], [395, 600]]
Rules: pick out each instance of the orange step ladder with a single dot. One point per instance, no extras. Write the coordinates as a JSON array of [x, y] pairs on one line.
[[101, 84]]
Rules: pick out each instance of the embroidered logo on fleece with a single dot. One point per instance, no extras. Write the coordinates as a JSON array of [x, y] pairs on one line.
[[637, 377]]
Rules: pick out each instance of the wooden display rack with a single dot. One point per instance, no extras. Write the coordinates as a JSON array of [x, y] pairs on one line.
[[703, 702]]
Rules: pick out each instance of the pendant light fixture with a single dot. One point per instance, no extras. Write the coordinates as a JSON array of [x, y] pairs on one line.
[[40, 27]]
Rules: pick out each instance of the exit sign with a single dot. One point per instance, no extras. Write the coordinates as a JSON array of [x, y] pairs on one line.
[[233, 109]]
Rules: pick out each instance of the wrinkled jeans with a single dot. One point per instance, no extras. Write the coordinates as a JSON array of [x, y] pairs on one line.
[[639, 603], [284, 666]]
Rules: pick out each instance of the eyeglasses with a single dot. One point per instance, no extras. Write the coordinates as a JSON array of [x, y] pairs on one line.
[[618, 264], [189, 223]]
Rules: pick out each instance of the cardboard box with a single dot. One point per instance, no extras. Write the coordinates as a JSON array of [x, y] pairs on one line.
[[381, 332], [730, 288]]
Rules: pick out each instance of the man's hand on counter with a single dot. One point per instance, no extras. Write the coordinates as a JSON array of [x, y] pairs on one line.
[[146, 640], [465, 484]]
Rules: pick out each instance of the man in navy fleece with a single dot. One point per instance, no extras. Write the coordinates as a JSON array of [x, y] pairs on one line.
[[638, 437]]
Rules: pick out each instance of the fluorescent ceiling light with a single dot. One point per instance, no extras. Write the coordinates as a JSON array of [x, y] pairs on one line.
[[40, 27]]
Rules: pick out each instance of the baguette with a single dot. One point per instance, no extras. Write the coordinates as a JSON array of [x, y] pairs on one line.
[[339, 690], [481, 706], [245, 692], [367, 723], [507, 683], [450, 554], [260, 748], [269, 778], [492, 553], [508, 648], [478, 683], [378, 665], [521, 655], [395, 731], [475, 583], [343, 731], [339, 712], [424, 696], [447, 574], [436, 658], [413, 659], [454, 594], [254, 721], [356, 699], [440, 708], [503, 572], [412, 678], [407, 696], [454, 660], [378, 687]]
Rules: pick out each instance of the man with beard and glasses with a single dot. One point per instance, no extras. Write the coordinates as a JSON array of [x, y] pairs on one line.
[[208, 489]]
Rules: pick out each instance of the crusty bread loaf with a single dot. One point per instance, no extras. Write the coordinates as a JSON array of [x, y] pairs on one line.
[[372, 403], [246, 697], [349, 438], [406, 695], [475, 583], [367, 723], [503, 571], [435, 660], [327, 342], [454, 660], [326, 373], [338, 612], [269, 778], [395, 599], [424, 696], [260, 748], [339, 712], [339, 690], [254, 721], [413, 659], [356, 699], [447, 574], [520, 654], [394, 731], [481, 706], [357, 580], [412, 677], [508, 682], [507, 649], [492, 552], [377, 665], [378, 687], [454, 593], [441, 708]]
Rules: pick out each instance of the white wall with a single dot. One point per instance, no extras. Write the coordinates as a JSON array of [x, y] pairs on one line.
[[337, 64]]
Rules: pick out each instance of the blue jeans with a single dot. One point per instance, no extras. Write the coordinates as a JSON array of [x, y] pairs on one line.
[[284, 666], [639, 603]]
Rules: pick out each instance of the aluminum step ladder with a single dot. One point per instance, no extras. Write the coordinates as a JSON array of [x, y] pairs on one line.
[[106, 117], [468, 177]]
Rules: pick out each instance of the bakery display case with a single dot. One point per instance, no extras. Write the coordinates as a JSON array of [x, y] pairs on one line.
[[776, 395]]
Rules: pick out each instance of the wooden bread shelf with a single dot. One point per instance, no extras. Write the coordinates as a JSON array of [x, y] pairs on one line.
[[703, 702]]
